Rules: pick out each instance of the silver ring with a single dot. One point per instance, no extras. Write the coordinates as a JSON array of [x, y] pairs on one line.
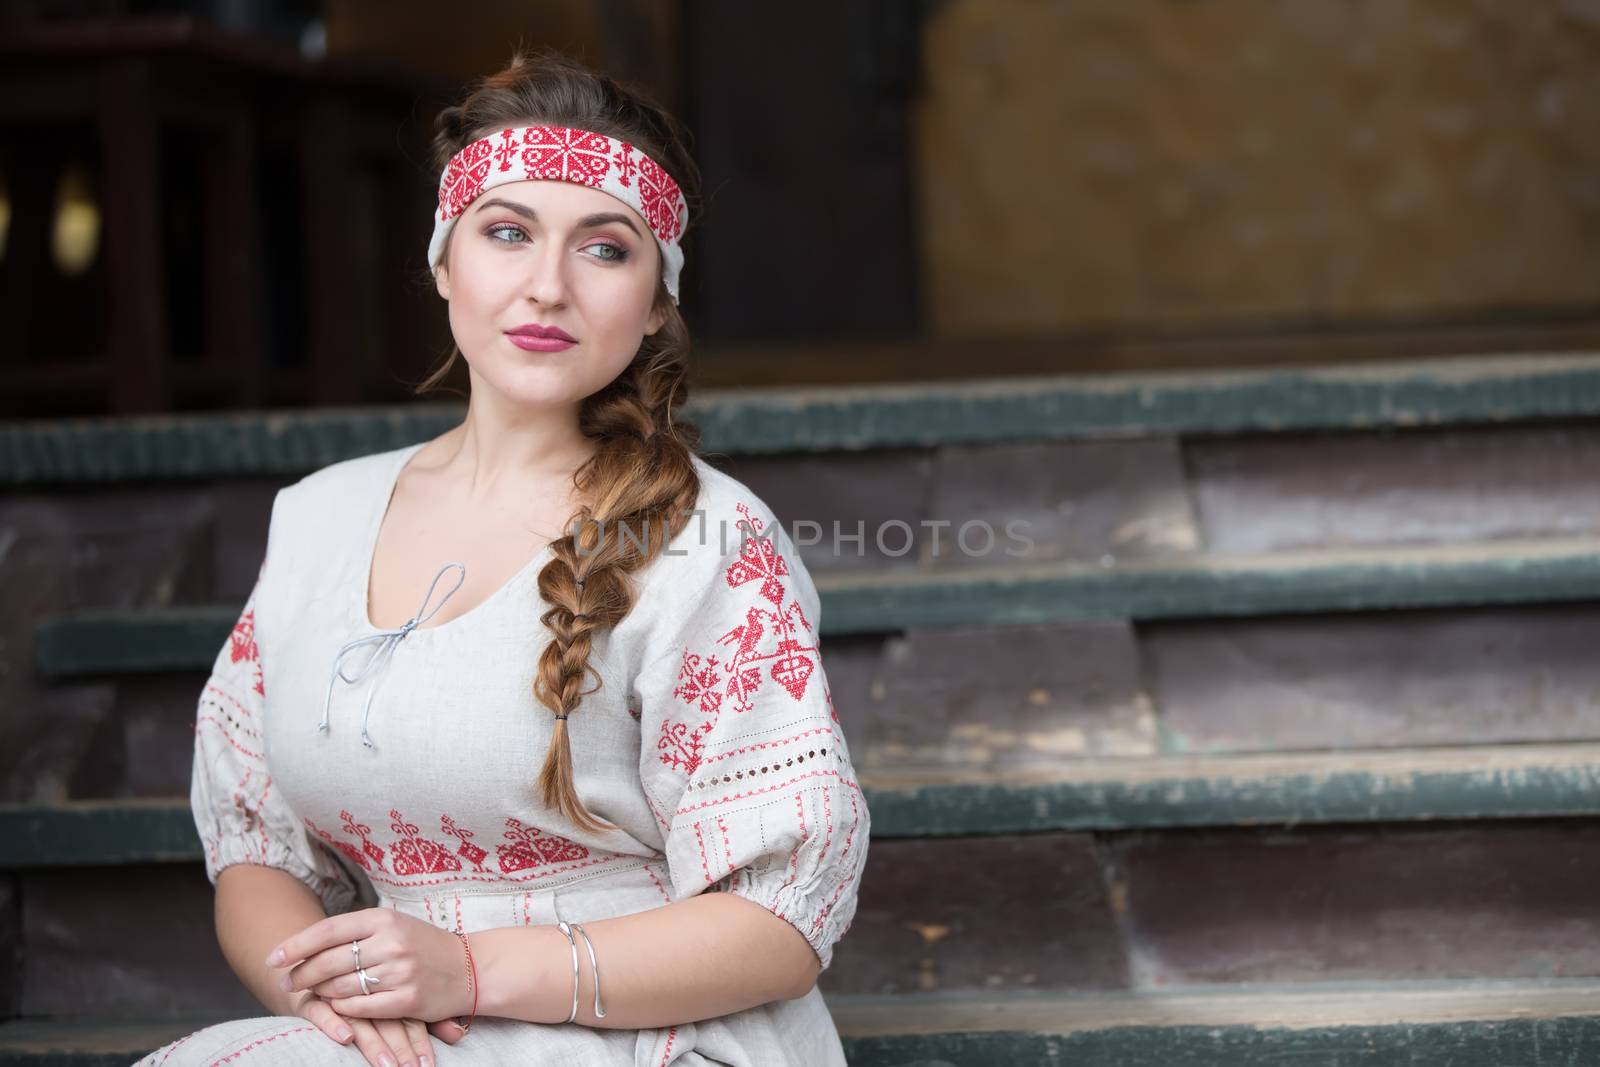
[[356, 948], [365, 979]]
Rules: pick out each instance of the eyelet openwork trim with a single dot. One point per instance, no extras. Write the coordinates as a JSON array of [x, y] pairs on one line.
[[799, 759]]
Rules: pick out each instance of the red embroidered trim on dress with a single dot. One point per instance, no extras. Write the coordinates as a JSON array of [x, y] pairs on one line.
[[417, 854], [528, 848], [531, 847], [259, 1042], [757, 792], [855, 824], [473, 853], [242, 646], [773, 643]]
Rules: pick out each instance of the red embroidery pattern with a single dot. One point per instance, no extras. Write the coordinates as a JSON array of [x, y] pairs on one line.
[[680, 746], [464, 176], [231, 702], [531, 847], [345, 847], [242, 647], [261, 1041], [775, 642], [759, 559], [562, 154], [417, 854], [361, 830], [474, 854], [411, 854], [844, 883]]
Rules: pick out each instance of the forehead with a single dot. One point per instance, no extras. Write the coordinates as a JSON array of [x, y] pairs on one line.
[[559, 203]]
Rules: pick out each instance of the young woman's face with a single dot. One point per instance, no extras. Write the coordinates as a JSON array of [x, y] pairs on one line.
[[530, 252]]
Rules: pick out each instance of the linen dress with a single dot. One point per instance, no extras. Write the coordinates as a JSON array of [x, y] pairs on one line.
[[712, 745]]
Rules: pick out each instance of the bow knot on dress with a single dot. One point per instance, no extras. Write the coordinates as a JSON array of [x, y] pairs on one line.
[[386, 641]]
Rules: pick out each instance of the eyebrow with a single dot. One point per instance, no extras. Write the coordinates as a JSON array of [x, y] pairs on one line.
[[599, 218]]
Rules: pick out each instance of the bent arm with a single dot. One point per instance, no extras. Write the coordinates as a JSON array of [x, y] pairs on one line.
[[700, 958], [256, 908]]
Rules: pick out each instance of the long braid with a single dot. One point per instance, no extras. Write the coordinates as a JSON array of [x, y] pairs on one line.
[[646, 488]]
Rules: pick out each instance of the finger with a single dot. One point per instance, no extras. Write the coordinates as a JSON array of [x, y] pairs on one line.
[[331, 963], [447, 1030], [372, 1044], [341, 986], [376, 1005], [394, 1032], [417, 1033], [324, 934], [324, 1018]]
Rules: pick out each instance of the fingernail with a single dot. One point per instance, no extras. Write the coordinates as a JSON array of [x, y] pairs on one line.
[[386, 1060], [425, 1062], [286, 983], [344, 1033], [276, 959]]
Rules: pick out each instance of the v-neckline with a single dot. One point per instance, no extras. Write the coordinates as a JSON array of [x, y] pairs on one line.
[[384, 499]]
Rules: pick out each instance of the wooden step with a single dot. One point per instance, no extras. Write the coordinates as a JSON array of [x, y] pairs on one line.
[[1515, 387], [1140, 909], [187, 638], [1267, 789], [1460, 1024]]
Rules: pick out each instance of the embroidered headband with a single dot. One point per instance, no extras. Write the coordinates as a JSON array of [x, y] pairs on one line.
[[558, 153]]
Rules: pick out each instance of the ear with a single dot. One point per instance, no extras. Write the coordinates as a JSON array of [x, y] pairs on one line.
[[657, 319], [441, 281]]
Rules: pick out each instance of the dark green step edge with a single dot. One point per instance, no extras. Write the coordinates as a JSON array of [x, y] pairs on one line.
[[1473, 1043], [106, 642], [1552, 1042], [109, 832], [1436, 392]]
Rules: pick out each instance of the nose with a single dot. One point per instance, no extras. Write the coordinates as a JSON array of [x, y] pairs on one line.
[[546, 282]]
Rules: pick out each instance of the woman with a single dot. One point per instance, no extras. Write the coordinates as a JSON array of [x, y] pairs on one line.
[[589, 803]]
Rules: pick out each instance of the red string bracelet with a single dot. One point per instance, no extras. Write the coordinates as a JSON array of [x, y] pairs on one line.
[[472, 983]]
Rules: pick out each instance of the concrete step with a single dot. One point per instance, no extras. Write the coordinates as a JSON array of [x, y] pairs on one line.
[[1469, 1024], [1469, 390], [1261, 789]]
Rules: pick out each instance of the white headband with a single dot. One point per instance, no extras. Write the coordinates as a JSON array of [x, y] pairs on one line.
[[558, 153]]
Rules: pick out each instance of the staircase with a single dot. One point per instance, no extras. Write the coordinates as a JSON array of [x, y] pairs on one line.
[[1279, 743]]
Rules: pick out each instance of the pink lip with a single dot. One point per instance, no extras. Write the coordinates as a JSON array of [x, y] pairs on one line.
[[534, 329], [539, 344]]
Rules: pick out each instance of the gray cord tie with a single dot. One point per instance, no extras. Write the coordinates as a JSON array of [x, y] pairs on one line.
[[387, 641]]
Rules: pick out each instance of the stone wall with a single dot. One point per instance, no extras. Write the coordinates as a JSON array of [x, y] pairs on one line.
[[1181, 165]]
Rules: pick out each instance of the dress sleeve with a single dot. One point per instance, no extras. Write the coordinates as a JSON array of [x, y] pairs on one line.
[[240, 816], [743, 757]]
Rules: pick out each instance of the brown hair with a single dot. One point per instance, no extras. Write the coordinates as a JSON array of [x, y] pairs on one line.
[[642, 478]]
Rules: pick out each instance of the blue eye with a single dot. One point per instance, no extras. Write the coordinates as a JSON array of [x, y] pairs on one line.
[[621, 253], [618, 252], [506, 226]]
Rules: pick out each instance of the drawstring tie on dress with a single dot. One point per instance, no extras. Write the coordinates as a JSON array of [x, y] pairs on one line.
[[387, 641]]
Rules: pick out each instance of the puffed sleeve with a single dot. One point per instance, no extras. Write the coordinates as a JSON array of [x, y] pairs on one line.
[[742, 753], [239, 814]]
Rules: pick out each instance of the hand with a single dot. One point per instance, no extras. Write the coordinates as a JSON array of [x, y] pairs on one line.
[[386, 1042], [421, 969]]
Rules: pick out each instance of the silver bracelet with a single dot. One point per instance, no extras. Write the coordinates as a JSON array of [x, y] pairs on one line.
[[567, 930], [594, 964]]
